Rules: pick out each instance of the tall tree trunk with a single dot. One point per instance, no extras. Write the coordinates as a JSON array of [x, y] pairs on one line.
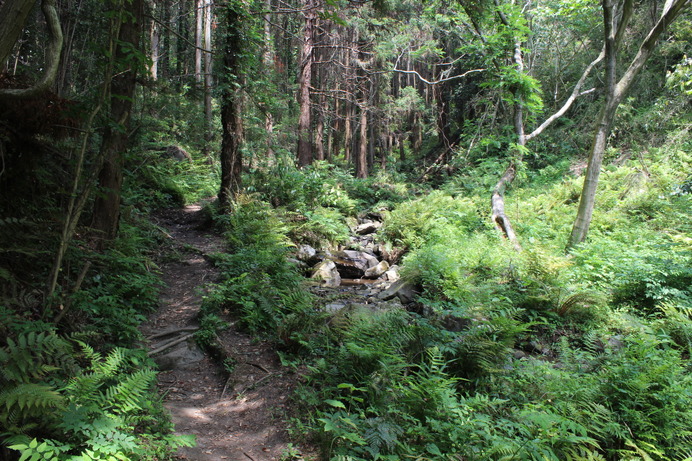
[[208, 78], [268, 60], [154, 44], [497, 198], [319, 131], [304, 83], [199, 40], [106, 216], [348, 130], [232, 126], [69, 19], [362, 158], [615, 92]]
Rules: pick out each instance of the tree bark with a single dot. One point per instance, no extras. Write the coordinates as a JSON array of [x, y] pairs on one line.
[[304, 82], [615, 92], [199, 36], [232, 126], [362, 157], [13, 16], [106, 216], [53, 53], [268, 60], [208, 80], [154, 44]]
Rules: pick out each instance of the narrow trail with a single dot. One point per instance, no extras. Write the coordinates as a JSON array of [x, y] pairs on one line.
[[236, 415]]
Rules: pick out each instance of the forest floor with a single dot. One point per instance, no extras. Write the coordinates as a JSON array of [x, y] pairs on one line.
[[236, 414]]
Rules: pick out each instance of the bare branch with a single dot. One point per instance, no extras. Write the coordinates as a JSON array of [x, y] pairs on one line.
[[576, 92]]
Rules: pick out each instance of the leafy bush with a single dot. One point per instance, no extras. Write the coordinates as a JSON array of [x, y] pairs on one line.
[[123, 288], [284, 185]]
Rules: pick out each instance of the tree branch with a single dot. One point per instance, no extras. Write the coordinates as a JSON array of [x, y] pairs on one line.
[[52, 56], [576, 92]]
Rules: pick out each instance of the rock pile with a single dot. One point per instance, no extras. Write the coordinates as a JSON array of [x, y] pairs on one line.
[[361, 272]]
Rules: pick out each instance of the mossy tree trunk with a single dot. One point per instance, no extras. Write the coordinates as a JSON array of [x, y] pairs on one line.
[[231, 122], [128, 61]]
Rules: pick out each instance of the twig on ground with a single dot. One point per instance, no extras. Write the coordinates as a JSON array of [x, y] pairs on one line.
[[169, 344], [172, 332]]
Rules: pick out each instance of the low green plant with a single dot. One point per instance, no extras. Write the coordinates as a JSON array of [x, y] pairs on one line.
[[58, 410], [260, 285], [121, 287]]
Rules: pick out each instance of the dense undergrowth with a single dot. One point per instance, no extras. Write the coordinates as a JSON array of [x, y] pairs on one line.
[[505, 355], [74, 383]]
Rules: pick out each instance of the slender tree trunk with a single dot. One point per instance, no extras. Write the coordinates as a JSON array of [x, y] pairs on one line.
[[199, 36], [304, 83], [208, 78], [362, 158], [69, 20], [268, 59], [106, 216], [154, 45], [497, 198], [348, 131], [615, 92], [319, 131]]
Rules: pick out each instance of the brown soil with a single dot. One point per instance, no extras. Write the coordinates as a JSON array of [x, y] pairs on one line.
[[241, 415]]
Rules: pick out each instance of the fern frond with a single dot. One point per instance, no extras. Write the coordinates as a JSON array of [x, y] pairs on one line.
[[126, 396], [114, 362], [580, 300]]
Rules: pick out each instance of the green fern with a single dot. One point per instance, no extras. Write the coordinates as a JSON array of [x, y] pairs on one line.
[[580, 301], [28, 398]]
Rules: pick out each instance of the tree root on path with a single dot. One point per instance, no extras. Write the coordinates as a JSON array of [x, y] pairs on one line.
[[169, 344], [172, 332]]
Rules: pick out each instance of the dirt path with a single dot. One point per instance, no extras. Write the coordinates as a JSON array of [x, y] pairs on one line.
[[239, 415]]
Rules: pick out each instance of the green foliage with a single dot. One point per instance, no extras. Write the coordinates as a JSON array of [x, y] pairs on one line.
[[284, 185], [123, 288], [54, 409], [27, 395], [425, 219], [260, 285], [321, 227]]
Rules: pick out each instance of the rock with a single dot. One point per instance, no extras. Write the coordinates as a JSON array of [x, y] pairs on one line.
[[392, 304], [308, 254], [334, 307], [392, 273], [327, 273], [184, 356], [616, 342], [518, 354], [367, 228], [301, 265], [376, 271], [178, 153], [352, 264], [405, 291]]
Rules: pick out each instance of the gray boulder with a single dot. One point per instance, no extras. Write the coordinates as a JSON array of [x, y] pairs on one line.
[[327, 274], [376, 271], [405, 291]]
